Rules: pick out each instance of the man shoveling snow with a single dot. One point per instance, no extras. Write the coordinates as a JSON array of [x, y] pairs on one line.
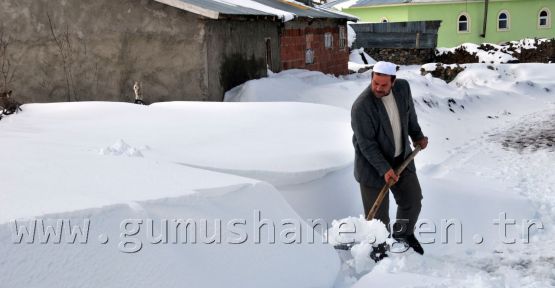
[[383, 117]]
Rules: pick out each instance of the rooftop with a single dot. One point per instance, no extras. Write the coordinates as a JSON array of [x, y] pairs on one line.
[[284, 9]]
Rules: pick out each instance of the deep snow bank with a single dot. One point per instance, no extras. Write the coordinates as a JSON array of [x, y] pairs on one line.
[[297, 86], [136, 255], [284, 143], [78, 161]]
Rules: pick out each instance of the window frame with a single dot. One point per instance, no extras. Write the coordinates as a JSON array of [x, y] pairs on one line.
[[342, 37], [328, 39], [548, 18], [465, 14], [508, 24], [309, 56], [309, 52]]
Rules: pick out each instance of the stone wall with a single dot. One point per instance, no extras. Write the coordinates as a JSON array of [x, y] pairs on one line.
[[94, 50], [460, 55], [400, 56]]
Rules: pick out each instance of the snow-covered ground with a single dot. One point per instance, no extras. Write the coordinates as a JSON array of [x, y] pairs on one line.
[[493, 53], [110, 162], [280, 149], [359, 59], [468, 173]]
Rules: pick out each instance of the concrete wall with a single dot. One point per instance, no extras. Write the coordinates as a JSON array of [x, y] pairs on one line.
[[111, 44], [236, 52]]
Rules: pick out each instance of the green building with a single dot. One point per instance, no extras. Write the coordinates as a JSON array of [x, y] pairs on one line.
[[463, 21]]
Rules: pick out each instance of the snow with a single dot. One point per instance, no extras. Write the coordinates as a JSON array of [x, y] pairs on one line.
[[498, 54], [351, 34], [365, 234], [430, 67], [173, 264], [303, 86], [121, 148], [284, 15], [274, 155], [281, 146], [467, 174], [483, 56], [54, 170], [527, 43], [357, 229], [344, 4], [356, 57], [356, 62]]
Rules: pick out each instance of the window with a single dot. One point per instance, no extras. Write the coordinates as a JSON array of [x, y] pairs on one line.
[[328, 40], [309, 53], [544, 20], [342, 38], [503, 23], [464, 23], [309, 56], [269, 53]]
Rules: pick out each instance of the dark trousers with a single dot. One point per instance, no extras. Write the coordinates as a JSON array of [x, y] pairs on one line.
[[408, 196]]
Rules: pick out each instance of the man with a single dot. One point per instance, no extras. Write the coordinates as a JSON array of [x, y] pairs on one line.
[[382, 118]]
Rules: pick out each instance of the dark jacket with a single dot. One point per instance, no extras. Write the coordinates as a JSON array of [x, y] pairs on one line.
[[373, 135]]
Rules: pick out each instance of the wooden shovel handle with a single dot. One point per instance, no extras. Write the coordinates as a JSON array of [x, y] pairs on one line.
[[385, 188]]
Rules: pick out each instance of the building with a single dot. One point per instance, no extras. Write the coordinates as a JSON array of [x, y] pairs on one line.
[[462, 21], [317, 40], [178, 49], [405, 43]]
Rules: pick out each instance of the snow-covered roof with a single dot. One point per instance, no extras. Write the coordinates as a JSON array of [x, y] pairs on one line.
[[342, 4], [283, 9]]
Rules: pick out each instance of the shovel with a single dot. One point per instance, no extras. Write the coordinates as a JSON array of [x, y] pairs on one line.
[[381, 195]]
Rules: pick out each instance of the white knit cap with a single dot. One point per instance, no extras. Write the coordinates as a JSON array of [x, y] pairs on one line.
[[387, 68]]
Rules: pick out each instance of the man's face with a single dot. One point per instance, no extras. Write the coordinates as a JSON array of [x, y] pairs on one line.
[[381, 85]]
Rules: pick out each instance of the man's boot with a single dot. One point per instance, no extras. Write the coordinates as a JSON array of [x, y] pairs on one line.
[[410, 241]]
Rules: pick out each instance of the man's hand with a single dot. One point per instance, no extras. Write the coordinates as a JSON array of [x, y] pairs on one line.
[[390, 175], [423, 142]]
